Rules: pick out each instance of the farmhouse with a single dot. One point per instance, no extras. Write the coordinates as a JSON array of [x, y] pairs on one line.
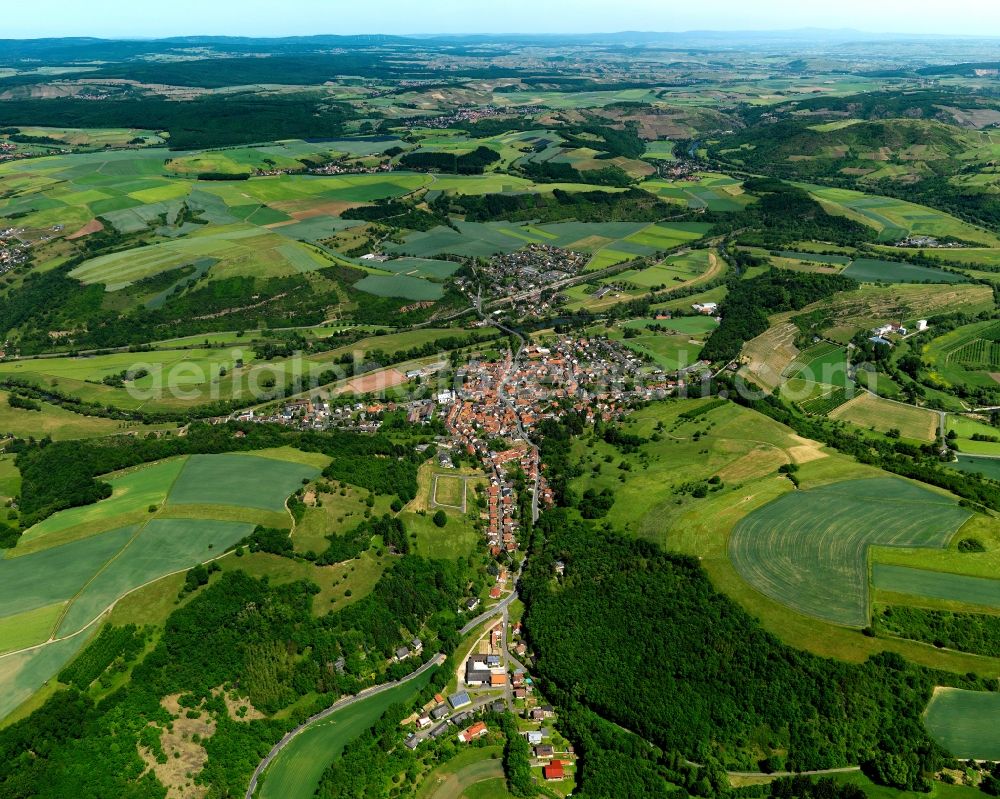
[[477, 730]]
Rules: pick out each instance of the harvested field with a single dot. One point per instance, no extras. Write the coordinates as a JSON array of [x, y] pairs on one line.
[[768, 356]]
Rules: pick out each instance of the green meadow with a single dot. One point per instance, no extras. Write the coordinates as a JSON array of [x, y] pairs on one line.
[[964, 723], [296, 772]]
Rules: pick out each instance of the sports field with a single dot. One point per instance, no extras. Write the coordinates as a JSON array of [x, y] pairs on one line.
[[964, 723], [809, 549], [980, 591], [442, 489], [296, 771]]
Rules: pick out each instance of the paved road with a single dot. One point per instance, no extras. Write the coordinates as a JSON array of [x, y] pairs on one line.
[[496, 610], [437, 660]]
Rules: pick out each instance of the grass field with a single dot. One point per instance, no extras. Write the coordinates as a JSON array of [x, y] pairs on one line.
[[965, 723], [897, 219], [483, 239], [235, 250], [870, 270], [822, 363], [59, 423], [295, 773], [809, 549], [718, 193], [338, 512], [471, 773], [979, 591], [867, 410], [459, 537], [672, 350], [133, 492], [23, 673], [242, 480], [161, 518], [988, 467], [404, 286]]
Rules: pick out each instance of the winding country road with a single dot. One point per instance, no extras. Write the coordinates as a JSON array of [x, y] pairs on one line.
[[437, 660]]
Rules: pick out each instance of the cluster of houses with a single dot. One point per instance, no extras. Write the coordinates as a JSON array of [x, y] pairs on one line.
[[352, 168], [469, 115], [534, 267], [476, 419], [441, 717], [13, 252], [928, 242], [881, 334]]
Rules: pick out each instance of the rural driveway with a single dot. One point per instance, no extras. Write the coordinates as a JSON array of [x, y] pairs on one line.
[[437, 660]]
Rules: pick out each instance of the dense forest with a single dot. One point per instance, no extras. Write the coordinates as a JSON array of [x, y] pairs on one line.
[[642, 638], [632, 205], [785, 214], [978, 633], [214, 120], [52, 300], [472, 163], [749, 303]]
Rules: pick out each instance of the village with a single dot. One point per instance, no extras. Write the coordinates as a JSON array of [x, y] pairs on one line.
[[491, 679], [13, 252], [466, 116], [537, 266]]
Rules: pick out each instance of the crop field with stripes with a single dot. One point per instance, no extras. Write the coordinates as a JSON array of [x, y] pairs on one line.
[[809, 549]]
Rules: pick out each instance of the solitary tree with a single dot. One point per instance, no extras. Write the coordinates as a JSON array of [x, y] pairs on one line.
[[440, 519]]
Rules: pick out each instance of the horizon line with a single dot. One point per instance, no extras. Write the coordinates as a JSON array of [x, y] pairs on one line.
[[501, 34]]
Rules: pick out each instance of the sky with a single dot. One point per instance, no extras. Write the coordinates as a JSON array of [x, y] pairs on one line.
[[130, 18]]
